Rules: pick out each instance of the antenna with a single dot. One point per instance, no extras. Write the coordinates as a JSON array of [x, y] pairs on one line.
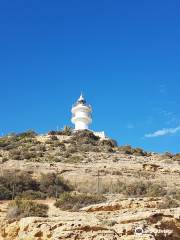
[[81, 97]]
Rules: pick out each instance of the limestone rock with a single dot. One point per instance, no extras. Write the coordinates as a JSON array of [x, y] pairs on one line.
[[120, 219]]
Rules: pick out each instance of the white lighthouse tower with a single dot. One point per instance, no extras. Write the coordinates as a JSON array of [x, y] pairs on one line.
[[81, 114]]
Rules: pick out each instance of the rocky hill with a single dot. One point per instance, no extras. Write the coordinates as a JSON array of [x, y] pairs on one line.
[[84, 187]]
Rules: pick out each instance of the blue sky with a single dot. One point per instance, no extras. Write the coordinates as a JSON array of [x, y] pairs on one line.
[[124, 56]]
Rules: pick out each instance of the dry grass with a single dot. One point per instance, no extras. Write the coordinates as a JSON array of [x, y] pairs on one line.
[[128, 189]]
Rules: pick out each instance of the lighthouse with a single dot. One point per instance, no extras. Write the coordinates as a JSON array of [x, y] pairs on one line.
[[81, 114]]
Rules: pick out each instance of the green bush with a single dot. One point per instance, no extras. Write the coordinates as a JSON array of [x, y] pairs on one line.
[[22, 184], [27, 134], [85, 137], [20, 208], [87, 141], [32, 195], [72, 201], [16, 183], [52, 185], [5, 193]]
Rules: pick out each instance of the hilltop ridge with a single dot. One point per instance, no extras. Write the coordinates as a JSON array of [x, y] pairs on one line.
[[117, 188]]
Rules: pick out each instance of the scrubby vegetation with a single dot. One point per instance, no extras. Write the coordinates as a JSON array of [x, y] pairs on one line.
[[14, 140], [168, 202], [67, 131], [86, 141], [22, 146], [52, 185], [21, 184], [77, 147], [136, 189], [20, 208], [175, 193], [26, 146], [171, 157], [73, 202], [64, 145], [133, 151]]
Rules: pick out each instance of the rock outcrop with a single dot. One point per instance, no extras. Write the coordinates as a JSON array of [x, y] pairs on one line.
[[126, 219], [92, 165]]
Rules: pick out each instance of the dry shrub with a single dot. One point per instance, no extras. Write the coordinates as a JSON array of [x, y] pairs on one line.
[[127, 189], [117, 172], [20, 208], [13, 184], [73, 202], [74, 159], [175, 193], [138, 189], [67, 131], [171, 157], [52, 185], [32, 195], [21, 184], [109, 142], [24, 154], [168, 202], [85, 137], [176, 157], [127, 149], [88, 186]]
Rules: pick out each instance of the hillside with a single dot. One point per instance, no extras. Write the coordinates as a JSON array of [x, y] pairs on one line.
[[102, 190]]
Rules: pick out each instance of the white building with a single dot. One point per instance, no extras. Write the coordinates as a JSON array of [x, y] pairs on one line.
[[81, 116]]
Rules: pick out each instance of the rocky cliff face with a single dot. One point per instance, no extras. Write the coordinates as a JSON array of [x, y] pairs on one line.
[[120, 219], [142, 189]]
